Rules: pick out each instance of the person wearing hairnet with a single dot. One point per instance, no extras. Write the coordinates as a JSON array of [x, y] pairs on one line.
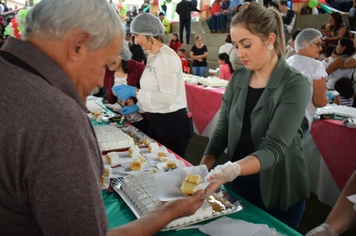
[[162, 93], [308, 46], [127, 72]]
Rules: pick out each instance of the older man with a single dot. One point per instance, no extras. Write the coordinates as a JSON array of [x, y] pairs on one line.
[[50, 163]]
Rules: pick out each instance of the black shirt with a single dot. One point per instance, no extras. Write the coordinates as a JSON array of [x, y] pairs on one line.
[[184, 8], [245, 146], [199, 51]]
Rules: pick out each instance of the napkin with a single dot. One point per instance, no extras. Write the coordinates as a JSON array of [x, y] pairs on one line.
[[169, 183], [230, 227]]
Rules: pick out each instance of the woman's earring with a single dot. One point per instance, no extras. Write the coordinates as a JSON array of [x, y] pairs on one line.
[[270, 47]]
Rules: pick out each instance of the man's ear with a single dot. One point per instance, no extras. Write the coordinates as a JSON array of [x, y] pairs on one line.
[[78, 45]]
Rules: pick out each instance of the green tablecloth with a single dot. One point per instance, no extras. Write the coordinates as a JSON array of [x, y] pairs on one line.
[[118, 213]]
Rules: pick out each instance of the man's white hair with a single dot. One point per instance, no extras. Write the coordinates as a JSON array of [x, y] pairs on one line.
[[53, 18]]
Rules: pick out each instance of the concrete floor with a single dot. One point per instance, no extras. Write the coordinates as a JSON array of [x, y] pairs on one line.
[[315, 212]]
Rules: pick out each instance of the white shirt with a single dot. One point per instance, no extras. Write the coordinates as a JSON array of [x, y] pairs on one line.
[[162, 85], [338, 74], [2, 8], [313, 70], [231, 51]]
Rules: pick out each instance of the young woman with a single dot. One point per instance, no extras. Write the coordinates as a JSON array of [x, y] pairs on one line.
[[175, 43], [199, 53], [226, 69], [259, 124]]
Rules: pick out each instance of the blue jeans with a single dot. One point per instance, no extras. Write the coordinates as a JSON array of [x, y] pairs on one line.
[[229, 16], [248, 187], [212, 22], [186, 24], [220, 24], [199, 71]]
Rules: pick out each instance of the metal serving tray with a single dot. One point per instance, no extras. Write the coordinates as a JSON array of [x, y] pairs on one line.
[[237, 205]]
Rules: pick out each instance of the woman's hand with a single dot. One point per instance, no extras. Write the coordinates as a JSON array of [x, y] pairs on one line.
[[129, 109], [124, 92]]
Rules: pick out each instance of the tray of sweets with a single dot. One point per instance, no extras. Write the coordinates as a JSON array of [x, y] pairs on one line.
[[140, 194], [139, 137]]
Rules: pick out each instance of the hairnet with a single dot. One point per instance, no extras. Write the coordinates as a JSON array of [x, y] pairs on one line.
[[305, 38], [147, 24], [125, 53]]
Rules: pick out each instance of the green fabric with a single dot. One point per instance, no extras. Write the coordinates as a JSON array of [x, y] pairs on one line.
[[118, 213], [275, 130]]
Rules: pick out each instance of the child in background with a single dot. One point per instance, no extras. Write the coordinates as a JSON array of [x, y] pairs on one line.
[[327, 61], [175, 43], [181, 54], [226, 69], [346, 92]]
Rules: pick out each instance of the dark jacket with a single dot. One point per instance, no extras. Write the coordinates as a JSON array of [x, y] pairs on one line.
[[184, 8]]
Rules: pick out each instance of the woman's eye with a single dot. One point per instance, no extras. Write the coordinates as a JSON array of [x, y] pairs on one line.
[[247, 46]]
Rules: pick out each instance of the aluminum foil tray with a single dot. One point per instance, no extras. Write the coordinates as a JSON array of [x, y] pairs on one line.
[[137, 135], [236, 204]]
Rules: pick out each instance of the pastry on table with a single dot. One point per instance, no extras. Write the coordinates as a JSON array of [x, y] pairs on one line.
[[153, 147], [171, 165], [162, 156], [134, 151], [135, 165], [112, 159], [189, 184]]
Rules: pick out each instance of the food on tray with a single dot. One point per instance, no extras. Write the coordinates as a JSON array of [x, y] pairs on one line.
[[171, 165], [145, 142], [113, 158], [162, 156], [142, 159], [134, 151], [189, 184], [153, 147], [135, 165], [110, 138], [142, 191], [108, 170]]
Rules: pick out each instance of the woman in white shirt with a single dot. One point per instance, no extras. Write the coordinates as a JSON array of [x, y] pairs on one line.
[[229, 49], [308, 46], [162, 94]]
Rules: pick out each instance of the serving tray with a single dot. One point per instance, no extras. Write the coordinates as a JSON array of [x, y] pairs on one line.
[[236, 204]]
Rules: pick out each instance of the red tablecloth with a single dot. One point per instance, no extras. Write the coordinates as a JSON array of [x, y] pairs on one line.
[[203, 104], [337, 145]]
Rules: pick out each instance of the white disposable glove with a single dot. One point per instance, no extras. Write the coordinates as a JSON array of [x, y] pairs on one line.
[[322, 230], [229, 171]]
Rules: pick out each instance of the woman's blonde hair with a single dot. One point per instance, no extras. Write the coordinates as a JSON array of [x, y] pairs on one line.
[[261, 22]]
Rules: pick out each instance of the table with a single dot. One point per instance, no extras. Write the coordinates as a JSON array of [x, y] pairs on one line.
[[204, 104], [118, 213], [330, 153]]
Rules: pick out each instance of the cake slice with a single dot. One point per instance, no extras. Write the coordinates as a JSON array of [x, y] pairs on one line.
[[189, 184], [153, 147], [134, 151], [108, 170], [142, 159], [171, 165], [162, 156], [135, 165], [113, 159]]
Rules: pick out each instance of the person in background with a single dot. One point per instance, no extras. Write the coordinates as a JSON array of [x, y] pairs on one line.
[[337, 68], [225, 69], [352, 14], [183, 9], [343, 215], [162, 93], [212, 20], [327, 61], [259, 123], [229, 48], [325, 30], [291, 50], [126, 71], [308, 46], [134, 11], [220, 25], [338, 30], [199, 53], [165, 22], [181, 54], [226, 15], [50, 171], [350, 62], [2, 8], [140, 10], [288, 16], [175, 42], [137, 52], [346, 92]]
